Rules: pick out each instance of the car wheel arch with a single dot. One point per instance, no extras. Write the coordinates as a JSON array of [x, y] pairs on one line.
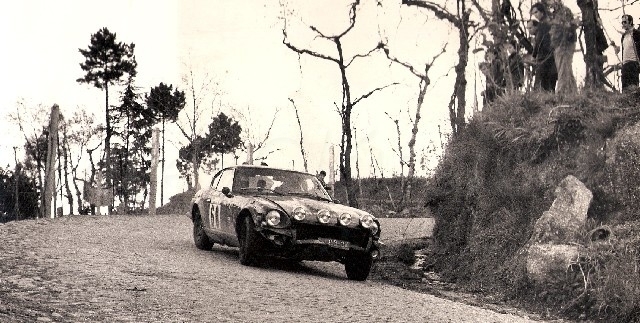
[[195, 211], [240, 220]]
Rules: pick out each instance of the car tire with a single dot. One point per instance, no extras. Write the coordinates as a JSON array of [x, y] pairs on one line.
[[358, 266], [200, 238], [249, 242]]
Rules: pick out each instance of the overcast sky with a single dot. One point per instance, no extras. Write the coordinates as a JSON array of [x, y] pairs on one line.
[[238, 45]]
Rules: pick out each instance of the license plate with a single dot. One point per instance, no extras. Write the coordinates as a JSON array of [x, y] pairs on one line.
[[335, 243]]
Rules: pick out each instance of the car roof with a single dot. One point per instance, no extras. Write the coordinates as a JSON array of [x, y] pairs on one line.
[[267, 167]]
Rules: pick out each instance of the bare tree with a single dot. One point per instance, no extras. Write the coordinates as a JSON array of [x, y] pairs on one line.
[[30, 121], [348, 103], [461, 21], [198, 89], [255, 135], [79, 132], [423, 85]]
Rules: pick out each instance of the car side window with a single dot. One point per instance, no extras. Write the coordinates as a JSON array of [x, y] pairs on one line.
[[226, 180]]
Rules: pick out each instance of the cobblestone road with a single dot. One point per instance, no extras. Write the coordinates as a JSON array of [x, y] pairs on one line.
[[146, 269]]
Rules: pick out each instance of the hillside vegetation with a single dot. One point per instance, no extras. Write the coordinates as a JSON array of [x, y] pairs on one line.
[[498, 177]]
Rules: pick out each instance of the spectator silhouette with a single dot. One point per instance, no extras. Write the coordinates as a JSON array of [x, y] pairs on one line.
[[630, 43], [563, 41], [512, 80], [321, 177], [545, 70]]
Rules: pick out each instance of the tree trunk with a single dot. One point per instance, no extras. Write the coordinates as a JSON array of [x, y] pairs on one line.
[[66, 154], [346, 145], [593, 59], [412, 142], [460, 101], [195, 165]]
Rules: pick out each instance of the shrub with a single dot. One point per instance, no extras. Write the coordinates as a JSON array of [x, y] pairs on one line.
[[499, 174], [178, 204]]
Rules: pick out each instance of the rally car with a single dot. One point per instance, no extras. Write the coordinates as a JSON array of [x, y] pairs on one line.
[[271, 212]]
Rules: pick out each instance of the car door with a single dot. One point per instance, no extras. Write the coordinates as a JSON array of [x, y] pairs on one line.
[[219, 209], [209, 205]]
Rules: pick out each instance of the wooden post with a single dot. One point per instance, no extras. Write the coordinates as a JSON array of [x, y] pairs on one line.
[[154, 172], [50, 174]]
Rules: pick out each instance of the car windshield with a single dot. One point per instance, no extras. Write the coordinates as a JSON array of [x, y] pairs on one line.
[[278, 181]]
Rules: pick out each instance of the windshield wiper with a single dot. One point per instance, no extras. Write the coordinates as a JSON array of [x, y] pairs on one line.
[[314, 196], [261, 190]]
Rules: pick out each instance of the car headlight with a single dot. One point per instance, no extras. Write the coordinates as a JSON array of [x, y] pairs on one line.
[[299, 213], [324, 216], [374, 228], [273, 218], [367, 221], [345, 219]]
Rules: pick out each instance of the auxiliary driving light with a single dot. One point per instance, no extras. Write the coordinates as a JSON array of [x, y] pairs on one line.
[[367, 221], [374, 228], [345, 219], [299, 213], [324, 216]]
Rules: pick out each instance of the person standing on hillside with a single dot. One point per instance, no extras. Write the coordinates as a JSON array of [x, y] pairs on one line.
[[514, 77], [546, 74], [630, 48], [564, 36]]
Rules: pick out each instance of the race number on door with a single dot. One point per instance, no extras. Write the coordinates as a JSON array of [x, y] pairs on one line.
[[214, 216]]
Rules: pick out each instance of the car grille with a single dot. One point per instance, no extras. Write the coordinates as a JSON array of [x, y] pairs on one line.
[[357, 236]]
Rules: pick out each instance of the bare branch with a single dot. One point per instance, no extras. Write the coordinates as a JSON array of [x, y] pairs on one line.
[[266, 136], [410, 67], [437, 9], [352, 18], [302, 51], [368, 94], [379, 46], [620, 7], [304, 154]]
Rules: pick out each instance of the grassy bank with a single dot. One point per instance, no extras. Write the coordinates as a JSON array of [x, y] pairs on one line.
[[500, 174]]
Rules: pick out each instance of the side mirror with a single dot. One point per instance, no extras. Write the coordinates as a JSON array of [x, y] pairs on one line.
[[226, 191], [336, 201]]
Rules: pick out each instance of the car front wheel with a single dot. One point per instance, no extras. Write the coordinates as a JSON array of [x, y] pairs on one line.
[[199, 236], [249, 242], [358, 266]]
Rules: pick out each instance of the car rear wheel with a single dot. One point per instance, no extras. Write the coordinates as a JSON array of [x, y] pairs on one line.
[[249, 242], [199, 236], [358, 266]]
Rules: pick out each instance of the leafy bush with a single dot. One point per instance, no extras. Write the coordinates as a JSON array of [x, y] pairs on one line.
[[178, 204], [499, 174]]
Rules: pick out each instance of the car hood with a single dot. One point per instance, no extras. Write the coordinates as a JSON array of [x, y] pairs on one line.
[[289, 203]]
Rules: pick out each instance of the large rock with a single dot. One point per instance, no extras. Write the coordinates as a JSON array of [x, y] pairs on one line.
[[566, 217], [553, 246], [548, 262]]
